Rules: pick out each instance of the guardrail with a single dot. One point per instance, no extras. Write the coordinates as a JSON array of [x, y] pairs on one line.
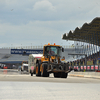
[[85, 68]]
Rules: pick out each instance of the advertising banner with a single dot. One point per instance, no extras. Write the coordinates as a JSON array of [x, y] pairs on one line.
[[26, 51], [96, 67], [85, 67], [88, 67], [81, 67], [92, 67]]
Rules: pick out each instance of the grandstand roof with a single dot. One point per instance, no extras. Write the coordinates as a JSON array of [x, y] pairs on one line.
[[89, 32]]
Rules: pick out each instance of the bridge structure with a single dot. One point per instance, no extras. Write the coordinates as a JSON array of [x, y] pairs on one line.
[[17, 56]]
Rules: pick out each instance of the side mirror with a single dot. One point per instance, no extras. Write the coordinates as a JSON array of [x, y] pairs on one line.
[[62, 49]]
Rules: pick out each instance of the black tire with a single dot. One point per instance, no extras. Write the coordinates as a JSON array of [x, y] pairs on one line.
[[64, 75], [34, 71], [31, 74], [21, 69], [44, 72], [57, 75], [38, 73]]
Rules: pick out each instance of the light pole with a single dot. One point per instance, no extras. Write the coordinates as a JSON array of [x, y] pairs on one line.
[[31, 45]]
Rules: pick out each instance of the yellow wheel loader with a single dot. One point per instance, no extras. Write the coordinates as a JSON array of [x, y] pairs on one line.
[[51, 62]]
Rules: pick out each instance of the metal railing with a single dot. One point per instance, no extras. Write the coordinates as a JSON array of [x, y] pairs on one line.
[[33, 47]]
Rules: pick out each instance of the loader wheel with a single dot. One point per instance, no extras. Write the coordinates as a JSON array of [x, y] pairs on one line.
[[44, 72], [38, 73], [64, 75], [57, 75]]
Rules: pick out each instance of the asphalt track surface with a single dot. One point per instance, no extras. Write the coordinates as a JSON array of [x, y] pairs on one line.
[[17, 86]]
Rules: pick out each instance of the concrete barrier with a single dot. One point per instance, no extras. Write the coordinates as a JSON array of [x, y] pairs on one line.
[[85, 74]]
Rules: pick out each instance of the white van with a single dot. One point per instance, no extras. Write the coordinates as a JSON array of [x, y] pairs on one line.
[[24, 67]]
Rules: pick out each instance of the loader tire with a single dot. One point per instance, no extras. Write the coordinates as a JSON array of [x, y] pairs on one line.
[[44, 72], [64, 75], [38, 73], [57, 75]]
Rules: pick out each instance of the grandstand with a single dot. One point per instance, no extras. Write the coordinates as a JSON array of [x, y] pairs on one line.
[[88, 39]]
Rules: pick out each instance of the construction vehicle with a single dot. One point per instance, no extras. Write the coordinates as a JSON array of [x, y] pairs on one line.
[[24, 66], [51, 62]]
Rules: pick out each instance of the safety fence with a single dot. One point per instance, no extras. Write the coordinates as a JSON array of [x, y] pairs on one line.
[[86, 68]]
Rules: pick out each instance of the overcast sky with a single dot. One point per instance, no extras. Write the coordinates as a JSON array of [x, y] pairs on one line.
[[37, 22]]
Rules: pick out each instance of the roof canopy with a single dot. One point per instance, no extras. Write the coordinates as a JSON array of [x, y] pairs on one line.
[[89, 32]]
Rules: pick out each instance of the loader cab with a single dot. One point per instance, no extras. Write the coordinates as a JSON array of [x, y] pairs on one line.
[[53, 50]]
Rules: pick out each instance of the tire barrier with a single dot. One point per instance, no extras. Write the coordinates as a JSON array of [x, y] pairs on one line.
[[86, 68]]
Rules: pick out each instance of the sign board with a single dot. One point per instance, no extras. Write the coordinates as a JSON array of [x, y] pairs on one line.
[[92, 67], [84, 67], [26, 51], [96, 67], [88, 67]]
